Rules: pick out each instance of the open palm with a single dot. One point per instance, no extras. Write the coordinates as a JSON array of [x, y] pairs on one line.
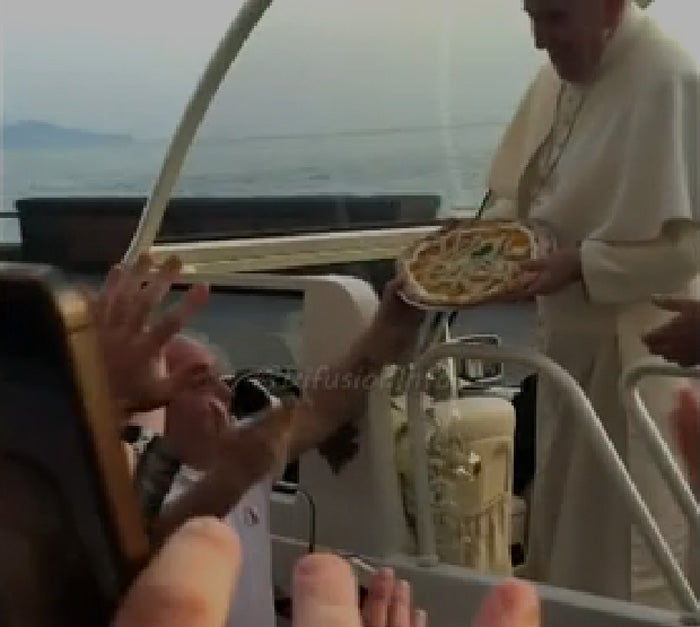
[[133, 337]]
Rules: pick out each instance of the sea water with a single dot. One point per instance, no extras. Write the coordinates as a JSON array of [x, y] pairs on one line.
[[394, 161]]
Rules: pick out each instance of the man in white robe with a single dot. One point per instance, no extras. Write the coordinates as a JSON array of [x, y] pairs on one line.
[[602, 153]]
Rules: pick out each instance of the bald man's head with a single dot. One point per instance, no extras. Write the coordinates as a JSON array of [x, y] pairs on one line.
[[196, 417]]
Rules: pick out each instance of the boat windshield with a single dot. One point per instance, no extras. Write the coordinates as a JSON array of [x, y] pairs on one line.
[[336, 115], [339, 114]]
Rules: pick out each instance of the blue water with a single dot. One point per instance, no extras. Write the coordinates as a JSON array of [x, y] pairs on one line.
[[403, 161]]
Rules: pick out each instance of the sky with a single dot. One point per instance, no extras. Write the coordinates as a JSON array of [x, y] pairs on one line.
[[310, 66]]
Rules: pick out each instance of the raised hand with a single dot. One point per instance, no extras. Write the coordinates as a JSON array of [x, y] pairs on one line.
[[133, 336], [242, 456]]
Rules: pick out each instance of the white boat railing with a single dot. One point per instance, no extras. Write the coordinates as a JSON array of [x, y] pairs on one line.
[[583, 411], [660, 452], [250, 13]]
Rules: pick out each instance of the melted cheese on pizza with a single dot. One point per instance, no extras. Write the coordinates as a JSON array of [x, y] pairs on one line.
[[466, 265]]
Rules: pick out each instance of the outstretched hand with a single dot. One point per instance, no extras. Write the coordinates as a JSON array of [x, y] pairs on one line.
[[679, 339], [133, 337], [548, 275]]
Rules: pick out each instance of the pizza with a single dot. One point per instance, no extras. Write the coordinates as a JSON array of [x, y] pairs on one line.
[[465, 263]]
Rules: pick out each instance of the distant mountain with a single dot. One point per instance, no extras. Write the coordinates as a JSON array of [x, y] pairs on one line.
[[35, 134]]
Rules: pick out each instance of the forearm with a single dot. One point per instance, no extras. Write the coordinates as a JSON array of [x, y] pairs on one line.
[[621, 274], [335, 395]]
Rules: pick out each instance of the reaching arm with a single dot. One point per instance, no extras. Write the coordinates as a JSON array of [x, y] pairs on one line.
[[335, 396], [338, 394], [247, 454]]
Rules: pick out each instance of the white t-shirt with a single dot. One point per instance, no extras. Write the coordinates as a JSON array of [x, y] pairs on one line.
[[254, 602]]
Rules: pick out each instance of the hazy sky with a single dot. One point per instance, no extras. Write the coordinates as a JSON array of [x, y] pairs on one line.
[[130, 65]]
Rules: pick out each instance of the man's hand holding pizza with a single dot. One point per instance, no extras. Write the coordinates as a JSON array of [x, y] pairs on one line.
[[545, 276]]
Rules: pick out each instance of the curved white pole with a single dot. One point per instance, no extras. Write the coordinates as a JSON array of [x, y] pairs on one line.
[[583, 411], [660, 452], [227, 51]]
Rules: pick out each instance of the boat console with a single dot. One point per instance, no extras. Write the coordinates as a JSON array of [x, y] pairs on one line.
[[428, 487]]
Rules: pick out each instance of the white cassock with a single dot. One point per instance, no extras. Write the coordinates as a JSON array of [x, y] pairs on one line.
[[612, 167]]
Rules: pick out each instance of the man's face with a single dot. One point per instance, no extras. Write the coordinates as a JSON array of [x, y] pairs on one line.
[[196, 417], [573, 33]]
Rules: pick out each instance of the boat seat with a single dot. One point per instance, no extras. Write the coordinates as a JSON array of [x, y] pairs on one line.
[[470, 456]]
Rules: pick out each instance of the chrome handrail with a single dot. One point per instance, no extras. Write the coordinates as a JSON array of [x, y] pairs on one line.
[[583, 411], [660, 451]]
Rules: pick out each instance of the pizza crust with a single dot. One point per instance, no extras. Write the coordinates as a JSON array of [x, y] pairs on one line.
[[465, 263]]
